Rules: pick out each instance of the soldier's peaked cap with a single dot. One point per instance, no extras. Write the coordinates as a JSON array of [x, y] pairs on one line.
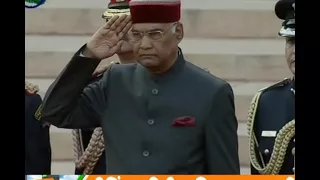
[[116, 7], [285, 10], [155, 11]]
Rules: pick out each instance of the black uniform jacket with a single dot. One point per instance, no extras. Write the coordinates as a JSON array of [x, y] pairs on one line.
[[86, 134], [179, 122], [276, 107], [37, 140]]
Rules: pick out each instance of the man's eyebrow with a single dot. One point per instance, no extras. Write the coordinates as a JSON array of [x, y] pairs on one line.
[[151, 30], [157, 29]]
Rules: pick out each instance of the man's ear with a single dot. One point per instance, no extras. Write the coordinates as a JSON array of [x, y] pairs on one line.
[[179, 32]]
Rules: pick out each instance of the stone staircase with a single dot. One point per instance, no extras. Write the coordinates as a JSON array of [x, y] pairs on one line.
[[235, 39]]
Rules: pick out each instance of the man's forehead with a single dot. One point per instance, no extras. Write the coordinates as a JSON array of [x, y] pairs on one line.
[[149, 26]]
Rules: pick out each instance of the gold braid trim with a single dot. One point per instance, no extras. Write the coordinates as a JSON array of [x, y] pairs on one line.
[[30, 88], [280, 146], [98, 146], [88, 158], [109, 13], [77, 145]]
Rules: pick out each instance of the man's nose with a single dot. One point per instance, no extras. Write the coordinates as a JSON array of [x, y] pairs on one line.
[[145, 43]]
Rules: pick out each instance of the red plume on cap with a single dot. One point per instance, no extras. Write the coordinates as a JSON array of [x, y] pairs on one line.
[[117, 1], [155, 11]]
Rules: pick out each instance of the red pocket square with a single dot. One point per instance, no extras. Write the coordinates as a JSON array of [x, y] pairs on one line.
[[185, 121]]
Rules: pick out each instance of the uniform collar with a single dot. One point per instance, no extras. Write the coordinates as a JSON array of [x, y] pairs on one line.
[[293, 83]]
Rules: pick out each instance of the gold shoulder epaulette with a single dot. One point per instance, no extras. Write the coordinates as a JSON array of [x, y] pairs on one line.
[[277, 84], [30, 88]]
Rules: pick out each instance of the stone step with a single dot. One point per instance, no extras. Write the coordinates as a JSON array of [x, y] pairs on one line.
[[228, 67], [67, 167], [198, 23], [246, 60], [244, 92], [62, 144], [261, 46]]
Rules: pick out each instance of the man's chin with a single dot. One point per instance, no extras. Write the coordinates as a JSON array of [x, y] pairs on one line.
[[147, 63]]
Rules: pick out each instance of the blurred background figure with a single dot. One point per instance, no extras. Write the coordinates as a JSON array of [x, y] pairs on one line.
[[272, 112], [37, 139]]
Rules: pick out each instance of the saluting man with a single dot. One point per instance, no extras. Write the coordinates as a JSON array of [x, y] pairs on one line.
[[271, 119], [37, 139], [89, 143], [162, 115]]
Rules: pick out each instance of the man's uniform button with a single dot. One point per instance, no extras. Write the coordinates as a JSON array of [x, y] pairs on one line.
[[150, 121], [266, 151], [155, 91], [145, 153]]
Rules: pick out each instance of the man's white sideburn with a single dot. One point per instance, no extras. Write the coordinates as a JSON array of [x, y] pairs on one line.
[[174, 27]]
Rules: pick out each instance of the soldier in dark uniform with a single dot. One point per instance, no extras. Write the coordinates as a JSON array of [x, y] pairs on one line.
[[271, 119], [89, 144], [162, 115], [37, 140]]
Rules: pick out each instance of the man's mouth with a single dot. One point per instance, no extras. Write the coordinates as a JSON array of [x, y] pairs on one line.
[[146, 56]]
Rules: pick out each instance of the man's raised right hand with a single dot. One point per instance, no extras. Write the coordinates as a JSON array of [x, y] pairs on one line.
[[108, 39]]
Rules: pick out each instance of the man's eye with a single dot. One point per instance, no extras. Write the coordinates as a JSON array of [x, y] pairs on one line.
[[155, 35], [135, 34]]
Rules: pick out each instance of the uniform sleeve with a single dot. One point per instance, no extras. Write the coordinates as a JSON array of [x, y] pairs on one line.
[[221, 134], [70, 102], [37, 139]]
